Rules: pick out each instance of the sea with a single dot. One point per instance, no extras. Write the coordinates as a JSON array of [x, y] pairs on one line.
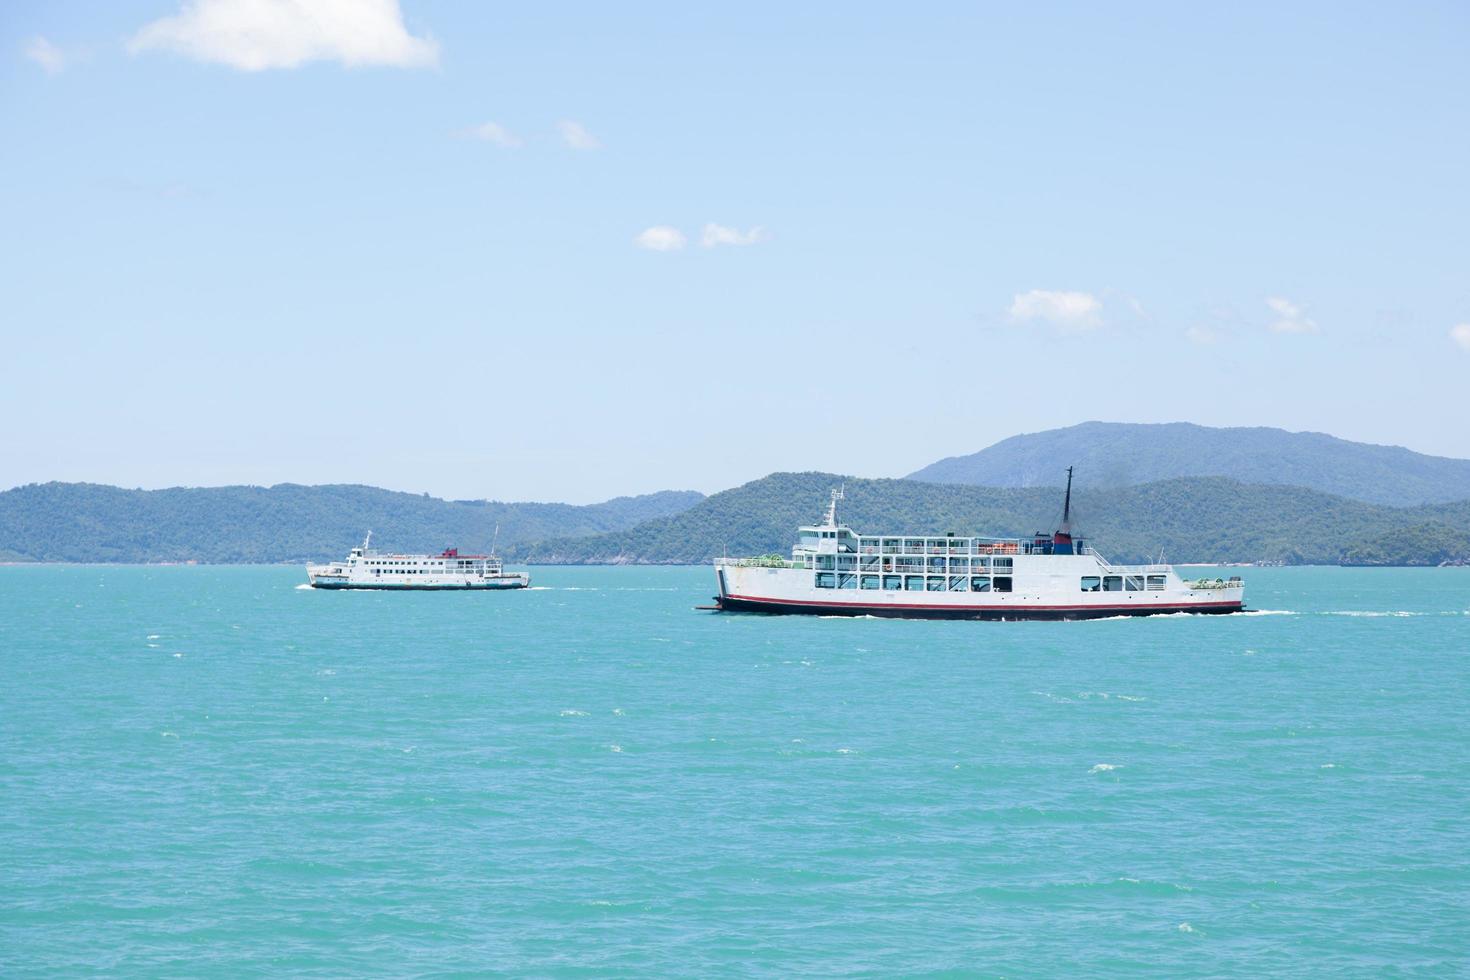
[[218, 772]]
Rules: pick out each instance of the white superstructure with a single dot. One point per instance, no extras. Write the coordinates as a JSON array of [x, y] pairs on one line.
[[834, 570], [365, 568]]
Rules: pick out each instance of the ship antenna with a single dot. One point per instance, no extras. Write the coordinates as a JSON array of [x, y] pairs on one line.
[[495, 540], [367, 541]]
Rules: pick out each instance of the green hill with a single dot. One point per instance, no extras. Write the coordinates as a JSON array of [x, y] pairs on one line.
[[88, 522], [1109, 454], [1200, 519]]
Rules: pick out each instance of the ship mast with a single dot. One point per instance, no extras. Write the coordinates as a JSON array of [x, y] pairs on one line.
[[1067, 505], [1061, 540], [832, 507]]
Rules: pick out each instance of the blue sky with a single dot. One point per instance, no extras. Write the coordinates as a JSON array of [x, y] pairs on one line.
[[568, 252]]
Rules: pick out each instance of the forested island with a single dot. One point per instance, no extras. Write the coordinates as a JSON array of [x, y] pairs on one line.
[[1185, 492], [1205, 519], [84, 522]]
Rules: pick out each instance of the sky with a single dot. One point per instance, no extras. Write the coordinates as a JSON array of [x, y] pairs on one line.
[[573, 251]]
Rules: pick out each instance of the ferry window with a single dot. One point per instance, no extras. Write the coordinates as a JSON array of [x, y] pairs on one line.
[[1002, 583], [936, 583], [826, 580], [1003, 563], [847, 581], [913, 583], [1135, 583], [979, 563], [870, 582], [936, 564], [893, 582], [1156, 582], [825, 561], [959, 564], [980, 583], [1112, 583], [958, 583], [1091, 583]]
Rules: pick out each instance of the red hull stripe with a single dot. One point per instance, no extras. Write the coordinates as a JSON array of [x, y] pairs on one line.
[[995, 605]]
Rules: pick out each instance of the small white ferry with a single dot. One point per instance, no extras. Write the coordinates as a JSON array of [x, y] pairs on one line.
[[365, 568], [834, 570]]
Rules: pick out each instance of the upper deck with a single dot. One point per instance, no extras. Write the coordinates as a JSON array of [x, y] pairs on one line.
[[449, 561], [832, 545]]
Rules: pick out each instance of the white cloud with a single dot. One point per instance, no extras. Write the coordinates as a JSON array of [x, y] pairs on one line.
[[1291, 317], [1460, 334], [661, 238], [495, 133], [254, 35], [720, 235], [575, 135], [1202, 335], [47, 55], [1065, 310]]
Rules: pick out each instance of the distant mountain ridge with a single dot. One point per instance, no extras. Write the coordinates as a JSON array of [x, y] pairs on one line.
[[1200, 519], [88, 522], [1116, 454]]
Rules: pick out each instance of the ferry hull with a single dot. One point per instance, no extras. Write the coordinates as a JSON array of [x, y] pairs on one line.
[[782, 607]]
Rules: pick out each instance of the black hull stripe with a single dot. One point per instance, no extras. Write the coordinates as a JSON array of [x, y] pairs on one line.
[[415, 588], [732, 604]]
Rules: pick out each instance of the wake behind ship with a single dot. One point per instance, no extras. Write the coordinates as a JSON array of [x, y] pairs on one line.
[[365, 568], [834, 570]]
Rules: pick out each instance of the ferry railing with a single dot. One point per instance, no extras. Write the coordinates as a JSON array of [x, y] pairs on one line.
[[763, 561], [1112, 569], [954, 549]]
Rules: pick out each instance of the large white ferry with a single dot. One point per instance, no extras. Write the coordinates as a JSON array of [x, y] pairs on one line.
[[834, 570], [365, 568]]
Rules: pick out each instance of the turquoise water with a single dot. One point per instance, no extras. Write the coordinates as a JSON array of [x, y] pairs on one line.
[[210, 771]]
